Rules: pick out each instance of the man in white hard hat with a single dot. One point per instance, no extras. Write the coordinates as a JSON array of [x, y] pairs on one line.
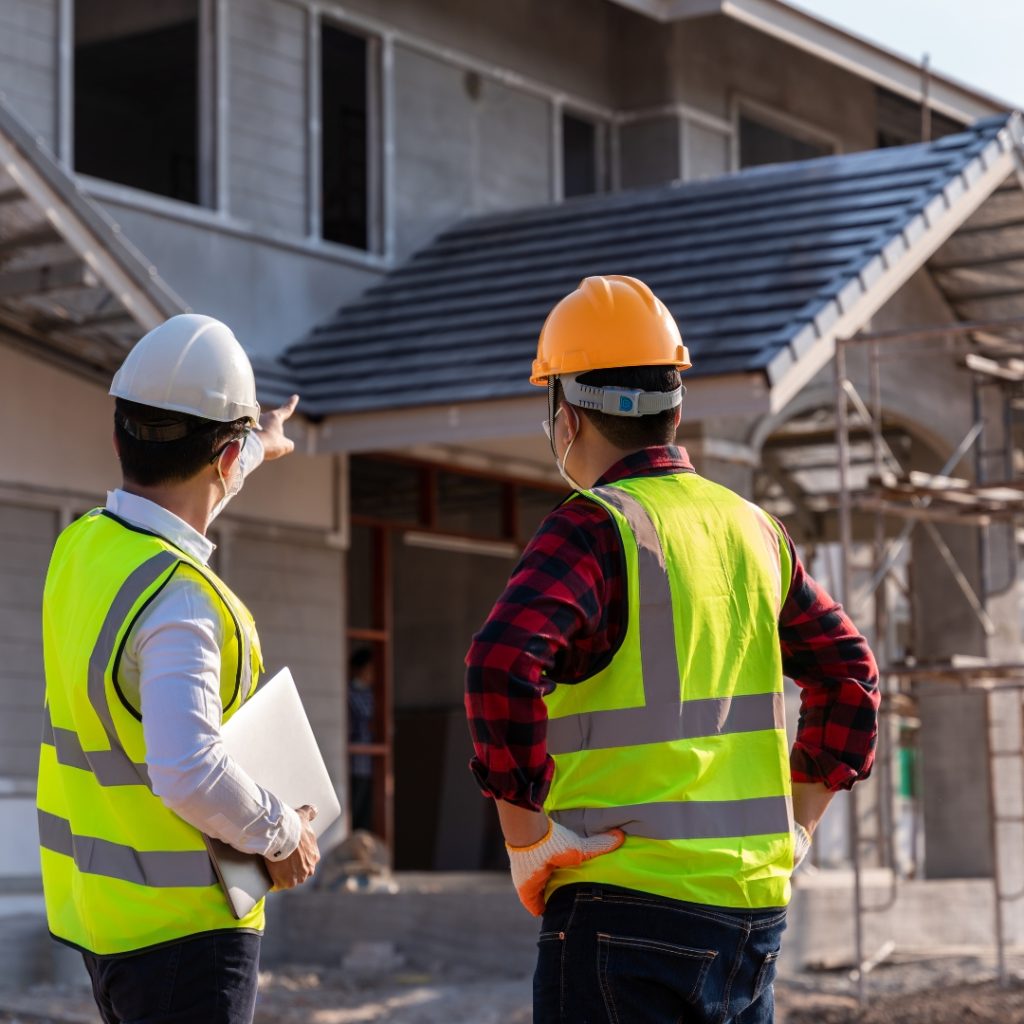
[[146, 652]]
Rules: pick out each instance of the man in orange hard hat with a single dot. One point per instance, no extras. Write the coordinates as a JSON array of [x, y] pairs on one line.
[[625, 697]]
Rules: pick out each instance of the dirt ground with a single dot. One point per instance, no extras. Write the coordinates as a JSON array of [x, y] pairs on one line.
[[947, 991]]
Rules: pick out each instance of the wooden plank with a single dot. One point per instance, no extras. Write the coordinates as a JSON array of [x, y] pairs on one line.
[[1012, 371]]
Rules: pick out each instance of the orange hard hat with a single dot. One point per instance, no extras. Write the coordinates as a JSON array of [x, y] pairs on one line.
[[607, 322]]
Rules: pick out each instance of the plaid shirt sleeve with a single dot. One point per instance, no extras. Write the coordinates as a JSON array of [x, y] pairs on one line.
[[558, 621], [549, 626], [825, 656]]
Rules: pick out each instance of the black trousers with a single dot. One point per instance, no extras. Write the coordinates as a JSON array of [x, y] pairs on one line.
[[208, 979]]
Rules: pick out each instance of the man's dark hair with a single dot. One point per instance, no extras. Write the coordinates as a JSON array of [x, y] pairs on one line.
[[195, 442], [359, 659], [632, 432]]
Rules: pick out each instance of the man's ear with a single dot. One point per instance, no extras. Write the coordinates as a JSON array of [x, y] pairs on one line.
[[678, 416], [572, 419], [117, 445], [229, 457]]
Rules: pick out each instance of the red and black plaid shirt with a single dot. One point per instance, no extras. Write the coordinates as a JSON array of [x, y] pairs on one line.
[[559, 621]]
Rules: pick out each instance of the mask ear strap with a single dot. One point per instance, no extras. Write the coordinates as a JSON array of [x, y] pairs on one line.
[[551, 416]]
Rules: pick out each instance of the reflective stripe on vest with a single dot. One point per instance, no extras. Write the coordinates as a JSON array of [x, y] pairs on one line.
[[663, 717], [121, 872], [111, 767], [162, 869], [684, 747]]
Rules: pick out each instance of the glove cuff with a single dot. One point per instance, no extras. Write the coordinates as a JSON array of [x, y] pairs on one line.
[[533, 846], [801, 843]]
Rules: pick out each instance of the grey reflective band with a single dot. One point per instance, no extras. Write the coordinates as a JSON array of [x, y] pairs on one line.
[[664, 716], [111, 767], [661, 723], [684, 819], [159, 869], [140, 580], [619, 401], [655, 616]]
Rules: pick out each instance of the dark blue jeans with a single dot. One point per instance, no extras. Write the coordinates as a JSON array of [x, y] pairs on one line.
[[614, 956], [209, 979]]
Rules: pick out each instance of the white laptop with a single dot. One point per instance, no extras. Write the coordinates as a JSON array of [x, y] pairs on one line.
[[272, 741]]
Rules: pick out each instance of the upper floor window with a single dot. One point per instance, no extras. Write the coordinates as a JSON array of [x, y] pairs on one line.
[[899, 121], [136, 105], [582, 164], [761, 142], [346, 109]]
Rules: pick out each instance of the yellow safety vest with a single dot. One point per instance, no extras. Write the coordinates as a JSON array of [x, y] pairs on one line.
[[680, 740], [121, 872]]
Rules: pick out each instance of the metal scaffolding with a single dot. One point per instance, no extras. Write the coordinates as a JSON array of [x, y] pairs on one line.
[[991, 354]]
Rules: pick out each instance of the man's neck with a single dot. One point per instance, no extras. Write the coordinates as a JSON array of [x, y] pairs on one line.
[[597, 460], [187, 502]]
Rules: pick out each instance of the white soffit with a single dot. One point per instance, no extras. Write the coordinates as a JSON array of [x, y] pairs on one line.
[[401, 429]]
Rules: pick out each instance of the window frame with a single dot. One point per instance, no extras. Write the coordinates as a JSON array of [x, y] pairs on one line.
[[378, 242], [210, 87], [602, 148], [779, 120]]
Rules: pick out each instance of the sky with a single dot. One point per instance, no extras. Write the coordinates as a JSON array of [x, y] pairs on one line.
[[980, 42]]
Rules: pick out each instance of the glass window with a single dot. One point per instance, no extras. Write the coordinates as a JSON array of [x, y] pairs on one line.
[[136, 82], [384, 489], [469, 504], [763, 144], [899, 121], [359, 576], [344, 116], [579, 156]]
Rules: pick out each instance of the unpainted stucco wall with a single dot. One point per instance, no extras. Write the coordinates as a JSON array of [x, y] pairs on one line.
[[269, 294], [28, 63], [267, 114], [567, 45], [59, 431], [717, 59], [464, 144]]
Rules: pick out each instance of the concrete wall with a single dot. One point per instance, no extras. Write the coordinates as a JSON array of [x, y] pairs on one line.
[[463, 145], [719, 61], [568, 45], [28, 63], [267, 151], [270, 293], [41, 404]]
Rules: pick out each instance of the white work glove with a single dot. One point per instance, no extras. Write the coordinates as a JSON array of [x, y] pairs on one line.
[[533, 865], [801, 844]]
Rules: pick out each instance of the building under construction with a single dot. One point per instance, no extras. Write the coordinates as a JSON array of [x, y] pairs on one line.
[[383, 199]]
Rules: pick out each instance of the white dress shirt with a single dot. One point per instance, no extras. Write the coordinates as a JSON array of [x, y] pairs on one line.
[[170, 671]]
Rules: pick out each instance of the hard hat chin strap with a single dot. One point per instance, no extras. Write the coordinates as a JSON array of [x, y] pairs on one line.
[[614, 401]]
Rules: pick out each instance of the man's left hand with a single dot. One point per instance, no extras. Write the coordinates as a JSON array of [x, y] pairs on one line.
[[533, 865], [272, 422]]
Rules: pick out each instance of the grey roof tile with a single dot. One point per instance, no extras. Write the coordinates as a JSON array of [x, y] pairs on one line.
[[753, 265]]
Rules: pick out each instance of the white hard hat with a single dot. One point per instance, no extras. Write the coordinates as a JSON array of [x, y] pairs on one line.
[[191, 364]]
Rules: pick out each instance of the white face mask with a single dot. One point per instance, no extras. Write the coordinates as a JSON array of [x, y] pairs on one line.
[[230, 489]]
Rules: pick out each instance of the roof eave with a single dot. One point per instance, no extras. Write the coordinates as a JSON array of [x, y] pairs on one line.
[[831, 43], [864, 295]]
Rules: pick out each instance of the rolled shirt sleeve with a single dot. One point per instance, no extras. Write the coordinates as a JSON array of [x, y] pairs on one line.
[[174, 654], [825, 655]]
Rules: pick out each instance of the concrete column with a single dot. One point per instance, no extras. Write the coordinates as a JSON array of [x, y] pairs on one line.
[[719, 451], [954, 733]]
